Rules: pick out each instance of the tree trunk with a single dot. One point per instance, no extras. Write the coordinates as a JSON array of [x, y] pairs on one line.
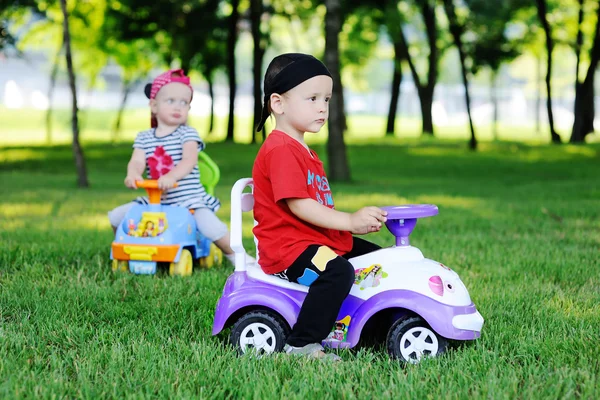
[[494, 99], [336, 148], [395, 92], [127, 86], [542, 11], [426, 90], [82, 180], [463, 67], [53, 74], [428, 12], [584, 95], [538, 99], [256, 10], [584, 106], [456, 31], [578, 43], [231, 41], [211, 93], [426, 102]]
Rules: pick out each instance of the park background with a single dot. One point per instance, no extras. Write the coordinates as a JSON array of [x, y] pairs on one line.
[[514, 173]]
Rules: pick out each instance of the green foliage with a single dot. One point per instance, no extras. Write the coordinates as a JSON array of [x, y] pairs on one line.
[[492, 41], [11, 12], [86, 20], [358, 44], [519, 224], [189, 32]]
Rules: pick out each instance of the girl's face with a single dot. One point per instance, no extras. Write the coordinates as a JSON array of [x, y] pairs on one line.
[[172, 104], [304, 108]]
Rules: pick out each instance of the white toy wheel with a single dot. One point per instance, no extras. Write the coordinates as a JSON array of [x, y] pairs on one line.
[[410, 340], [260, 332]]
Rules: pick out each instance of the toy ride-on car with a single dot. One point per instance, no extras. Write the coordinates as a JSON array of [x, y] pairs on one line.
[[418, 305], [155, 233]]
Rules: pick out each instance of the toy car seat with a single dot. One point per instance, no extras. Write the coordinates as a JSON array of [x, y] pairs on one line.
[[243, 202], [209, 172]]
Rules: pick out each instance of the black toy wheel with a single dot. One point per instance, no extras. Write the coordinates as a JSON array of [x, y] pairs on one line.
[[261, 332], [411, 339]]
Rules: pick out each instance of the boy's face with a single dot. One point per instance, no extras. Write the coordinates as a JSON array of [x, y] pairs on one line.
[[172, 104], [306, 106]]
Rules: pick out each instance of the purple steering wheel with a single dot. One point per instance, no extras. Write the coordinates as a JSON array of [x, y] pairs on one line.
[[401, 220]]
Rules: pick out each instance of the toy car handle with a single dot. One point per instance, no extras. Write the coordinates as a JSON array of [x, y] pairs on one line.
[[151, 186], [401, 220]]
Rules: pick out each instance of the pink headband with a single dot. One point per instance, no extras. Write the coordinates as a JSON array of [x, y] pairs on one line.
[[173, 75]]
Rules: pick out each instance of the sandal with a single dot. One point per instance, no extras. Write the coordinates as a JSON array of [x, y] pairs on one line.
[[312, 350]]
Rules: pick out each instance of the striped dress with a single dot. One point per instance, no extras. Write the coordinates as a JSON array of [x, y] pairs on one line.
[[189, 191]]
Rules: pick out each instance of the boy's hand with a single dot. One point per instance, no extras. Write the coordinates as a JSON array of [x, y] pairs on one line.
[[131, 179], [367, 219], [166, 182]]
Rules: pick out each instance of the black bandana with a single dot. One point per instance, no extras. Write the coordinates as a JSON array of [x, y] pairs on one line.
[[301, 69]]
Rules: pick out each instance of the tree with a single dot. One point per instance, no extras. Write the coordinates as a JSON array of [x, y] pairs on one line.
[[8, 10], [53, 75], [194, 33], [491, 47], [82, 180], [231, 42], [457, 30], [136, 59], [584, 90], [393, 23], [336, 148], [542, 11], [426, 89], [211, 59], [260, 40]]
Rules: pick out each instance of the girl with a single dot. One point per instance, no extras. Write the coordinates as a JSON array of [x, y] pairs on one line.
[[170, 96], [301, 237]]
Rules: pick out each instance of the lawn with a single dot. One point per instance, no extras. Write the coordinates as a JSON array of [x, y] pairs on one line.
[[520, 224], [28, 127]]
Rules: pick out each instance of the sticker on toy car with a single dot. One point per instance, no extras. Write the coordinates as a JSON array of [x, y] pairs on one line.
[[369, 277]]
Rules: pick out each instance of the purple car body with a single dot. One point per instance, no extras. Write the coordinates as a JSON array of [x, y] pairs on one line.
[[420, 303]]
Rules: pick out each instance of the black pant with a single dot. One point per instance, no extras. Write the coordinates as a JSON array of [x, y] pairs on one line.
[[330, 278]]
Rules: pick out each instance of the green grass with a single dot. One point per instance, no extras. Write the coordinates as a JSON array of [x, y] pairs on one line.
[[28, 127], [520, 225]]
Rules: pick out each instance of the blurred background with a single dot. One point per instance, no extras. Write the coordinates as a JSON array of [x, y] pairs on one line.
[[519, 70]]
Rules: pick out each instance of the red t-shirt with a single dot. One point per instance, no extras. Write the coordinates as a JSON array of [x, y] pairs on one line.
[[284, 169]]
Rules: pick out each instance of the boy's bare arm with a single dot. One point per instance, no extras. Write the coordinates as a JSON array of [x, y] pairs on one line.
[[365, 220]]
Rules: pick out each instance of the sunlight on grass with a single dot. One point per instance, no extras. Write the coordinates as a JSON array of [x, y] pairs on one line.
[[354, 202], [582, 151], [430, 151], [90, 222], [18, 210], [569, 307], [28, 127], [13, 225], [18, 155], [452, 201]]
